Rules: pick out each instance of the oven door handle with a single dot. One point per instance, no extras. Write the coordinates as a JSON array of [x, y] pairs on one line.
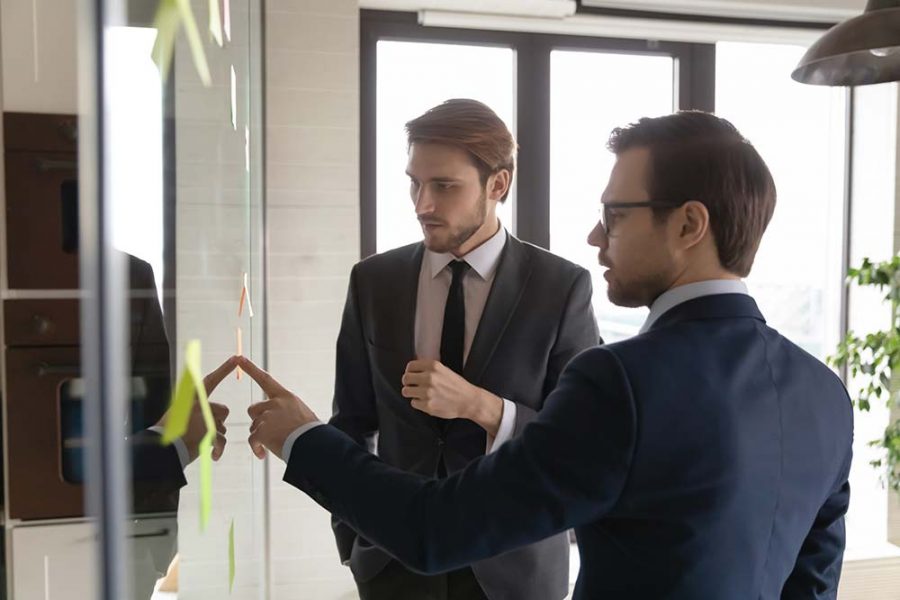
[[49, 164], [163, 532], [45, 369]]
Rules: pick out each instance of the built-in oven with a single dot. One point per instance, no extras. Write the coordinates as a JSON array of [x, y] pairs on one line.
[[45, 405]]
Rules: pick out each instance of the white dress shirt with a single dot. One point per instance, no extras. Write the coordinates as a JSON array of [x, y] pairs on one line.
[[434, 284], [675, 296]]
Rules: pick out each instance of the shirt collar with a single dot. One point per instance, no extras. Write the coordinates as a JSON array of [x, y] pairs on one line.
[[675, 296], [483, 259]]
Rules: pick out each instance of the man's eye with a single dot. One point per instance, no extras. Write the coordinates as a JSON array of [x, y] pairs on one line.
[[444, 186]]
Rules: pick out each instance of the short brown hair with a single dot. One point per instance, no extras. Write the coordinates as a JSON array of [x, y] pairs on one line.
[[697, 156], [472, 126]]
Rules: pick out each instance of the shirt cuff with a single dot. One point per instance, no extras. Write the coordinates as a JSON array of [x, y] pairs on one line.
[[180, 447], [289, 442], [507, 426]]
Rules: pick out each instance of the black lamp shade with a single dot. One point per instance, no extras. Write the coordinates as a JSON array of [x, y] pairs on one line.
[[860, 51]]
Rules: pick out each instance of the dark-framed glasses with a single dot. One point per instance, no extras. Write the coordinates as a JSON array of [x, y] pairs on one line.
[[608, 210]]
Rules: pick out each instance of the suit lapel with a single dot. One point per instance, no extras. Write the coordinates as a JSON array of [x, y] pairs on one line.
[[509, 283], [405, 305]]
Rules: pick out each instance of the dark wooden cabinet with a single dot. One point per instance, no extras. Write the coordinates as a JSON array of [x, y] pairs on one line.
[[41, 201]]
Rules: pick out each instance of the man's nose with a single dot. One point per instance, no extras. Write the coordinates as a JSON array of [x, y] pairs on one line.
[[423, 201], [597, 237]]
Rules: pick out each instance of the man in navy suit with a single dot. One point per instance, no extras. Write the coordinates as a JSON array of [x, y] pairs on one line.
[[705, 458]]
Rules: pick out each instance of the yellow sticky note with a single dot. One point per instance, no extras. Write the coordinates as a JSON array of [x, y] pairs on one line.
[[231, 557], [166, 22], [192, 364], [170, 15], [193, 36], [189, 386], [179, 409], [215, 22]]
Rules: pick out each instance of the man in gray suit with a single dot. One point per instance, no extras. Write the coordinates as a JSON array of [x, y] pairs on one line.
[[449, 346]]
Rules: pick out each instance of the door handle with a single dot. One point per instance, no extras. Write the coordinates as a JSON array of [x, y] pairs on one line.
[[48, 164]]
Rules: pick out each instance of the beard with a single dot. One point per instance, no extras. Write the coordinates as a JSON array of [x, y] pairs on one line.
[[459, 235], [638, 292]]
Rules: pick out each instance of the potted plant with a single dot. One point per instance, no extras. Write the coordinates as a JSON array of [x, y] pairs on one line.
[[873, 358]]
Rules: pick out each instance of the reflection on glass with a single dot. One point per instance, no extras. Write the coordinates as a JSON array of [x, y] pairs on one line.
[[413, 77], [135, 123], [185, 183], [592, 93]]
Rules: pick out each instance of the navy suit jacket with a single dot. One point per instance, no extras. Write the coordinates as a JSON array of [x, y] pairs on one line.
[[705, 459]]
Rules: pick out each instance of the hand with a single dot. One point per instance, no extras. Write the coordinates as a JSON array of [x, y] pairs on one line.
[[275, 418], [437, 390], [196, 427]]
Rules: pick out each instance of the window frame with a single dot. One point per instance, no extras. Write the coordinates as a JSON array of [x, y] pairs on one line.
[[694, 89]]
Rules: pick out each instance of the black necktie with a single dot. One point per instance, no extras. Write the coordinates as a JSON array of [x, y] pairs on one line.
[[454, 330]]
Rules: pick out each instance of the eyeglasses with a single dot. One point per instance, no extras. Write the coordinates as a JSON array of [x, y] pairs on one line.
[[608, 217]]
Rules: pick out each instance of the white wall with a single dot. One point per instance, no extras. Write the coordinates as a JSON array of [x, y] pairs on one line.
[[312, 178]]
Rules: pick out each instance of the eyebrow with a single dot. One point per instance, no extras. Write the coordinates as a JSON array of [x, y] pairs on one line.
[[436, 179]]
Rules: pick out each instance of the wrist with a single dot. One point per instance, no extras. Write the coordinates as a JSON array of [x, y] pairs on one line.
[[489, 411]]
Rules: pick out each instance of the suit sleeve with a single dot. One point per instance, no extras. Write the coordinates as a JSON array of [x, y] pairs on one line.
[[818, 568], [156, 473], [577, 332], [567, 468], [353, 409]]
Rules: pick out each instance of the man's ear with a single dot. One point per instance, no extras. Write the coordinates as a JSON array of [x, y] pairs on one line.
[[498, 184], [694, 222]]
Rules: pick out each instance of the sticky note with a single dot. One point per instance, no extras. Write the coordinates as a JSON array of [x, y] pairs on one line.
[[215, 22], [166, 22], [245, 297], [226, 17], [170, 15], [190, 384], [231, 557], [234, 104]]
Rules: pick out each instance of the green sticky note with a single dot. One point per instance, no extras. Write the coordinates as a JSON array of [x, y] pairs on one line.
[[231, 557]]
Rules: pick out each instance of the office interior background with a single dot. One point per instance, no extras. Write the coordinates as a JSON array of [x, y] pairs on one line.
[[140, 207]]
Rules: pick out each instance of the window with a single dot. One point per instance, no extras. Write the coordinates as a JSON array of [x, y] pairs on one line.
[[413, 77], [567, 92], [799, 131], [620, 88]]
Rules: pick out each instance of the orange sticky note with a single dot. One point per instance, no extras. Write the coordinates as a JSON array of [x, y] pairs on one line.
[[245, 295]]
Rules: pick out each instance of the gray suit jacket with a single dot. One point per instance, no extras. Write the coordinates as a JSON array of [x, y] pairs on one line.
[[537, 317]]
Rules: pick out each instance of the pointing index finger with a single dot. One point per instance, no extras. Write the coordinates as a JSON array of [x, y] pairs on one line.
[[268, 384]]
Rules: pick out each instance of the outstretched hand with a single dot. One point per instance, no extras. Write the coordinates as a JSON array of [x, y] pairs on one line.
[[275, 418]]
